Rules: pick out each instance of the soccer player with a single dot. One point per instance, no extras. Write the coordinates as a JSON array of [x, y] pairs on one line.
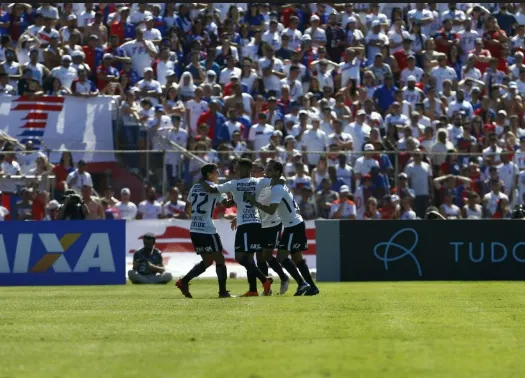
[[248, 236], [293, 240], [271, 232], [207, 242]]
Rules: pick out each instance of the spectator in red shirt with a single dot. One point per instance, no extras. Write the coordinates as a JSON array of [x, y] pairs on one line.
[[503, 64], [494, 37], [93, 53], [391, 208], [106, 73], [446, 37], [483, 56], [39, 206], [402, 55], [118, 26]]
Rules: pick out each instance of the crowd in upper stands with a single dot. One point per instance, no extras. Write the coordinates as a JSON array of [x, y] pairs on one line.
[[377, 110]]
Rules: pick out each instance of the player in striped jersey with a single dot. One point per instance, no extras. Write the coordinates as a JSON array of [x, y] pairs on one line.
[[207, 242], [271, 232], [293, 240], [248, 235]]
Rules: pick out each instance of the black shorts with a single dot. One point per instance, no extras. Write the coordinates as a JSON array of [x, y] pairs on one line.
[[206, 243], [294, 239], [248, 238], [270, 237]]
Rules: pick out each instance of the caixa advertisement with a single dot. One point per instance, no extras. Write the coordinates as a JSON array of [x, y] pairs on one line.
[[62, 253], [422, 250]]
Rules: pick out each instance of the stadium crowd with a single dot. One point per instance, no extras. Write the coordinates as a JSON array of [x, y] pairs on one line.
[[378, 111]]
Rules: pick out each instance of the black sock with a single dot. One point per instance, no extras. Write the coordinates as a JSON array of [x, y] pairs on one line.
[[292, 269], [252, 282], [252, 268], [195, 272], [222, 276], [274, 264], [263, 266], [305, 272]]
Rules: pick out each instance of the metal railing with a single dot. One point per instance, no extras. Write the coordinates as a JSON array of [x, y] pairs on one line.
[[169, 147]]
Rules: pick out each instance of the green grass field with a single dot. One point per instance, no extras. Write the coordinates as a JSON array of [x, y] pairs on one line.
[[351, 330]]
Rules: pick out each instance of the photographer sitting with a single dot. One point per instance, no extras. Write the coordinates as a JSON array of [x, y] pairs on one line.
[[148, 267], [73, 208]]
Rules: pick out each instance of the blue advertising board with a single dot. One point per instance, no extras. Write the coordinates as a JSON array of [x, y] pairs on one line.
[[62, 253]]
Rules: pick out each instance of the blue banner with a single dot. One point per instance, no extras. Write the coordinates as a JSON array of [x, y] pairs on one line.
[[62, 253]]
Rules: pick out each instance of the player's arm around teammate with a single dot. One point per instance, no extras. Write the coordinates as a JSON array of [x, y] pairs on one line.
[[205, 239]]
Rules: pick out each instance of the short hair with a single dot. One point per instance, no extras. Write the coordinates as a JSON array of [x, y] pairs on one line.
[[278, 166], [207, 169], [246, 163], [259, 165]]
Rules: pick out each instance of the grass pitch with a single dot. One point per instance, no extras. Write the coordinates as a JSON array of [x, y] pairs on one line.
[[350, 330]]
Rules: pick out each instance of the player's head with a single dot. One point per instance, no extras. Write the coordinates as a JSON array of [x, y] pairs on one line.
[[210, 172], [275, 169], [245, 168], [149, 240], [257, 169]]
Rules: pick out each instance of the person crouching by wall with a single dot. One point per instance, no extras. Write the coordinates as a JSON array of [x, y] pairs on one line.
[[148, 267]]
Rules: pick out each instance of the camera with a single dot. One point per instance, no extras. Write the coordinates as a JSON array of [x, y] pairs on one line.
[[433, 214], [73, 199], [72, 209], [518, 212]]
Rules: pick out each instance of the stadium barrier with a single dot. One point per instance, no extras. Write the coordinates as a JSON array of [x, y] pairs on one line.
[[101, 252], [62, 253], [173, 239], [420, 251]]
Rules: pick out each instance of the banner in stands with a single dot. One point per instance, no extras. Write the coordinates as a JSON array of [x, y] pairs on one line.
[[430, 251], [58, 123], [62, 253], [173, 239]]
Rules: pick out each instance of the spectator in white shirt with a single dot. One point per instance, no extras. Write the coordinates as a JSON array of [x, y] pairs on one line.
[[293, 34], [272, 36], [317, 34], [314, 140], [359, 131], [343, 208], [82, 86], [174, 207], [65, 73], [493, 200], [127, 209], [149, 87], [364, 164], [141, 52], [260, 133], [151, 34], [27, 159], [375, 40], [350, 68], [420, 180], [79, 178], [508, 172], [9, 166], [229, 71], [150, 208], [443, 72]]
